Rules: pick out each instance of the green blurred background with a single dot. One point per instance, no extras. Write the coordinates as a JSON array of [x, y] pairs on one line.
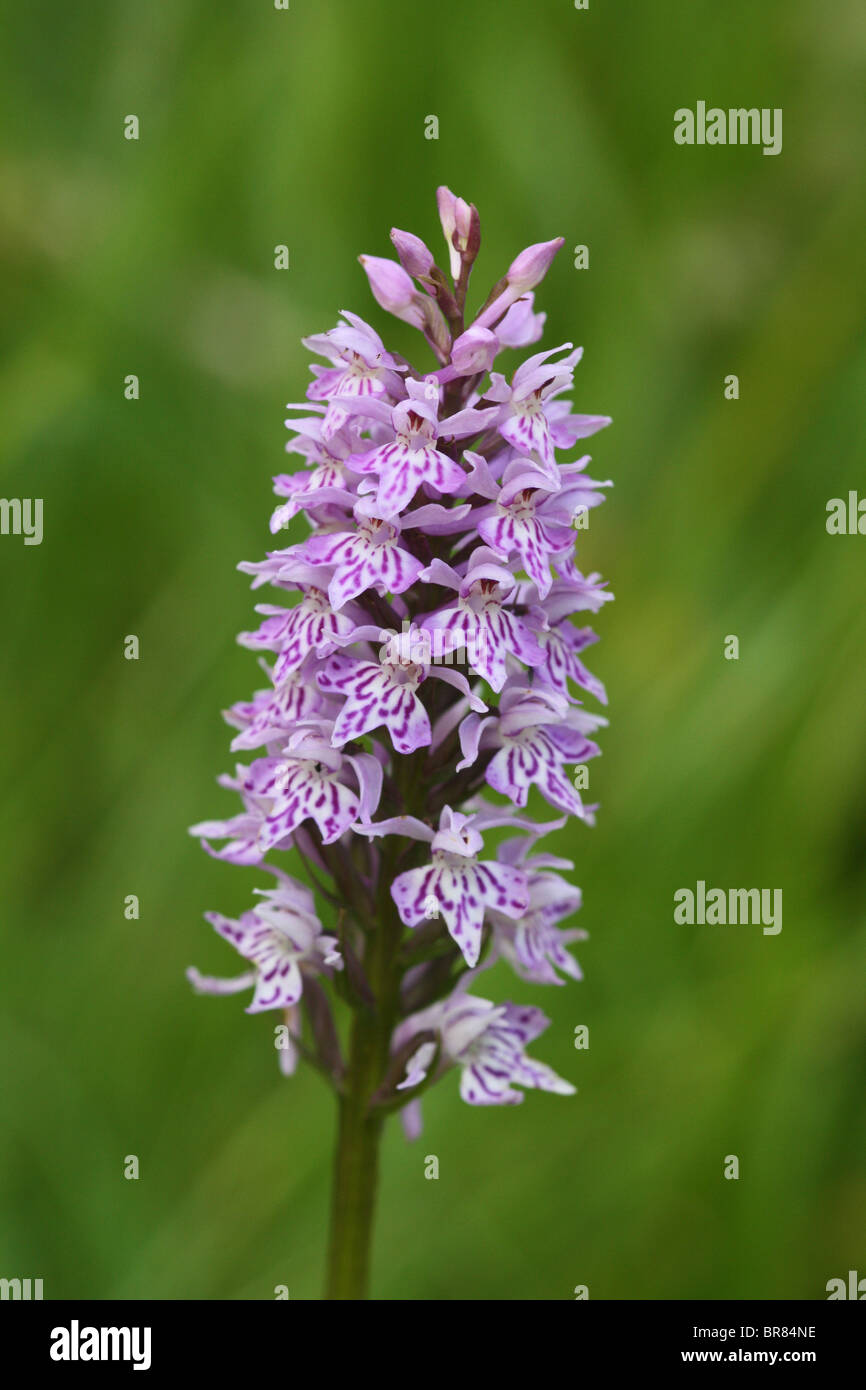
[[305, 127]]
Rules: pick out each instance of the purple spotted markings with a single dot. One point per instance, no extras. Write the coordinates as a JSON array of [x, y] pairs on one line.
[[424, 698]]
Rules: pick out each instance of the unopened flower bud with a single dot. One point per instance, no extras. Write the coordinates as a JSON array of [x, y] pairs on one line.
[[458, 224], [415, 258], [523, 274], [393, 289], [531, 266]]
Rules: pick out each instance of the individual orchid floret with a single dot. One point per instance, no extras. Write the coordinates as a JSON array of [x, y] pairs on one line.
[[328, 483], [524, 423], [368, 557], [377, 695], [295, 632], [282, 939], [535, 736], [361, 367], [535, 945], [310, 781], [454, 884], [411, 458], [273, 713], [488, 1042], [384, 694], [240, 832], [414, 646], [562, 644], [481, 620], [536, 949], [531, 520]]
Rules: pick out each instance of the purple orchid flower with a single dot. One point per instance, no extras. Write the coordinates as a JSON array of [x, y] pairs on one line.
[[384, 693], [411, 458], [309, 781], [483, 620], [362, 368], [423, 679], [282, 940], [454, 883], [272, 713], [535, 945], [368, 557], [488, 1042], [535, 735], [295, 632]]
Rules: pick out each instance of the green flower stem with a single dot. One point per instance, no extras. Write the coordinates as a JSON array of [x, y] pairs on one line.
[[356, 1163], [356, 1167]]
